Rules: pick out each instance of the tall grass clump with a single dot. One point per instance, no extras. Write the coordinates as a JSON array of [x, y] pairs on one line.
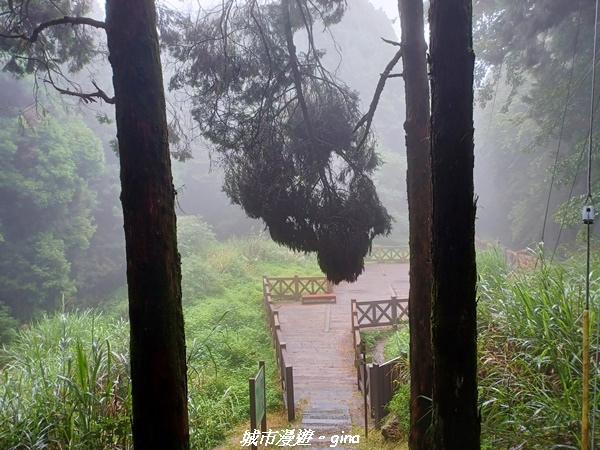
[[530, 354], [65, 384]]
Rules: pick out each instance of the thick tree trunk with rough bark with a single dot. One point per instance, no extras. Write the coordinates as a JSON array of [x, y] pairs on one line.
[[456, 424], [158, 360], [418, 178]]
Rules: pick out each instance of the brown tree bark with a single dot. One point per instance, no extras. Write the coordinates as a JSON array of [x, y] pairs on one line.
[[456, 424], [158, 360], [418, 178]]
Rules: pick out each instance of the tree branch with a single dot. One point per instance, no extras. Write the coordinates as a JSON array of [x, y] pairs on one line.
[[397, 44], [368, 117], [87, 97], [289, 37], [58, 21]]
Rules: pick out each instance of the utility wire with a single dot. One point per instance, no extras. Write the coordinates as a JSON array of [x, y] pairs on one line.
[[564, 116]]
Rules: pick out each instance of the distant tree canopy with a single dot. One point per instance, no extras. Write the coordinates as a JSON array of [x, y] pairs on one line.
[[47, 200], [533, 70], [295, 149]]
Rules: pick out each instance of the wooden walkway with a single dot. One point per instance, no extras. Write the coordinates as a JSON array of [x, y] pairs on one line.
[[319, 344]]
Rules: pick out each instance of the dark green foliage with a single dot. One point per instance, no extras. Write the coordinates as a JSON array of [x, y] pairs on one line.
[[530, 366], [534, 64], [289, 147], [65, 378], [8, 324], [70, 47], [46, 203]]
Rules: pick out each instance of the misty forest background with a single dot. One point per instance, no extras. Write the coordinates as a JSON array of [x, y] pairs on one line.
[[63, 302]]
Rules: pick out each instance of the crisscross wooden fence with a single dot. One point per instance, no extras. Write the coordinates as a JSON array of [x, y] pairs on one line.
[[286, 371], [374, 379], [293, 288], [390, 254], [380, 313]]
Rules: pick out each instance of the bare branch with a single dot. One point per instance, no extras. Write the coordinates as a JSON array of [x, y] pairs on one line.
[[397, 44], [58, 21], [295, 70], [87, 97], [368, 117]]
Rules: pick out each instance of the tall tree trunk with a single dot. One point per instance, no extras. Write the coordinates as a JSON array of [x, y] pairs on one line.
[[418, 176], [158, 364], [456, 422]]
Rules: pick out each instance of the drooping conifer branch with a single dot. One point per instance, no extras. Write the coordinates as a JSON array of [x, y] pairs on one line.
[[281, 125]]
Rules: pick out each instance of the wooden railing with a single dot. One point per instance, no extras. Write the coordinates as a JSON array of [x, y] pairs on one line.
[[480, 244], [382, 380], [293, 288], [391, 254], [286, 372], [374, 379], [362, 373], [380, 313]]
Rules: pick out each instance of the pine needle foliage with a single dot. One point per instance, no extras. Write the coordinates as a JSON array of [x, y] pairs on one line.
[[290, 137]]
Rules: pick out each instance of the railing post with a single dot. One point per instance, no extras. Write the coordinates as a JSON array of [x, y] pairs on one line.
[[375, 392], [281, 363], [296, 288], [289, 388], [394, 303]]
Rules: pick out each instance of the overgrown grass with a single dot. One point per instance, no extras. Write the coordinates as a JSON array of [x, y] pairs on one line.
[[65, 378], [65, 385], [530, 346], [530, 355]]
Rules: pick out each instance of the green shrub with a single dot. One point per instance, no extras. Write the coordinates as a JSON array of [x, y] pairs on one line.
[[8, 324], [400, 407]]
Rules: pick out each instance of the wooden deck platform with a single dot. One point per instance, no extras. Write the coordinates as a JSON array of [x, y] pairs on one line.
[[319, 342]]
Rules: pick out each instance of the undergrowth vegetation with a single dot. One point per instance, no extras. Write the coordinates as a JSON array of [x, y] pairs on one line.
[[530, 346], [65, 378]]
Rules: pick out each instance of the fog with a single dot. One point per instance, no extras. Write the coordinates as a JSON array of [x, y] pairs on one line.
[[515, 148]]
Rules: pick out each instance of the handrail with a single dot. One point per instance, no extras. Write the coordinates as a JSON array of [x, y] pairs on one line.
[[286, 371], [293, 288], [381, 313], [389, 254], [375, 379]]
